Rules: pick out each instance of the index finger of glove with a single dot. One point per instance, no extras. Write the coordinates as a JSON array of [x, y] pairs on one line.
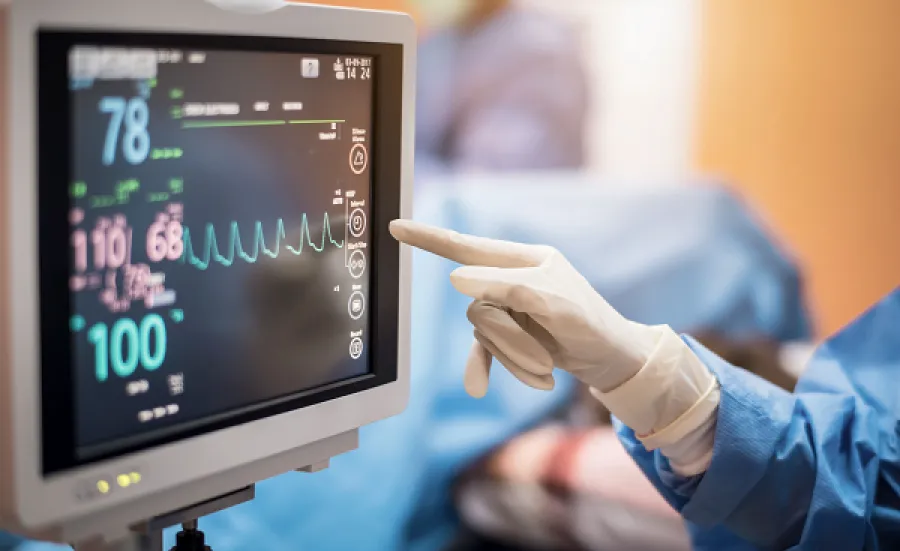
[[465, 249]]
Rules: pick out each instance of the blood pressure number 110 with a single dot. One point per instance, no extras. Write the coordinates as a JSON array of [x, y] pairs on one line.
[[128, 345], [129, 120]]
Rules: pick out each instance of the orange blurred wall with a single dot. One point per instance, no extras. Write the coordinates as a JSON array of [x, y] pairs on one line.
[[800, 108]]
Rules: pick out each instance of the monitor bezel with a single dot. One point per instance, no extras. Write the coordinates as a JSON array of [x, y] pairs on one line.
[[42, 498], [55, 128]]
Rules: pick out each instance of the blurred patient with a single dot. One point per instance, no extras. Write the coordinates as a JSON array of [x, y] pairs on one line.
[[501, 87], [569, 485]]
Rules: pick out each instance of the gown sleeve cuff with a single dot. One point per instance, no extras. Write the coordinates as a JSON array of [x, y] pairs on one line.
[[669, 399], [751, 417]]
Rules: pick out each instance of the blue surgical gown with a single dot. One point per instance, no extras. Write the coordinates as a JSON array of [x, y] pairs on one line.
[[818, 469]]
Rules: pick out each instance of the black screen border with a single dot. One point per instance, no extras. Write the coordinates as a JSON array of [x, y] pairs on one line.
[[54, 123]]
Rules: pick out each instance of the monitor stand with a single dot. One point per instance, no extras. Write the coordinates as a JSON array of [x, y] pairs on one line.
[[190, 538], [148, 536]]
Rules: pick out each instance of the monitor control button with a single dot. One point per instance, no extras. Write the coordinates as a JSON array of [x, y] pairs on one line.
[[356, 348], [310, 68], [357, 305], [357, 264], [359, 159], [357, 223]]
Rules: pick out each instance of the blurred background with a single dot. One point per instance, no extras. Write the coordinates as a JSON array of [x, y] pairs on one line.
[[728, 167]]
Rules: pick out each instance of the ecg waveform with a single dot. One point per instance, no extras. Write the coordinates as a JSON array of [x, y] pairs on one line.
[[235, 250]]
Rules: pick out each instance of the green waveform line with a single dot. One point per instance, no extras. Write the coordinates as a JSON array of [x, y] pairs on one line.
[[235, 250]]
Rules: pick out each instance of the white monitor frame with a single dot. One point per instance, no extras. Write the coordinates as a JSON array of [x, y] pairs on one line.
[[192, 470]]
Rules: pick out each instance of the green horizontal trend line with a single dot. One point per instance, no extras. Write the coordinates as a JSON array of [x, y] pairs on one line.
[[235, 250], [189, 125], [323, 121], [193, 125]]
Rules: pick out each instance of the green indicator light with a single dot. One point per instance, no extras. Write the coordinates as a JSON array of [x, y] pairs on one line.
[[176, 185], [152, 83], [176, 93], [159, 197], [177, 153], [177, 315], [177, 112]]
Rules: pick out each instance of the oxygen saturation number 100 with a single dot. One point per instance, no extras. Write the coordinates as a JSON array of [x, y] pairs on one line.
[[128, 345]]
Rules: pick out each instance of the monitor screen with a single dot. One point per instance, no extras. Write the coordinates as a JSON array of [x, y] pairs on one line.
[[220, 204]]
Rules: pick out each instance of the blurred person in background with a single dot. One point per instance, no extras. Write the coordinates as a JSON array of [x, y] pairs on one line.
[[501, 87]]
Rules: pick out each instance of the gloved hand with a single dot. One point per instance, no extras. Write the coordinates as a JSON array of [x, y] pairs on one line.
[[532, 311]]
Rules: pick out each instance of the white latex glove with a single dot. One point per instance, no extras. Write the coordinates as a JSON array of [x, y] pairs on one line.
[[532, 311]]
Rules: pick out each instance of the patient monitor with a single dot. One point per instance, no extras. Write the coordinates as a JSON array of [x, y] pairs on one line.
[[199, 290]]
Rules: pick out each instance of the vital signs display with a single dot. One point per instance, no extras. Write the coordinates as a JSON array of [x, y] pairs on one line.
[[219, 215]]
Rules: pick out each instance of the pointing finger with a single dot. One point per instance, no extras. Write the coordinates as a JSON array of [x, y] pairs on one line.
[[467, 249]]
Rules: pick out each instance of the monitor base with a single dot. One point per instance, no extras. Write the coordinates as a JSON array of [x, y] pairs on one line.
[[148, 536]]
